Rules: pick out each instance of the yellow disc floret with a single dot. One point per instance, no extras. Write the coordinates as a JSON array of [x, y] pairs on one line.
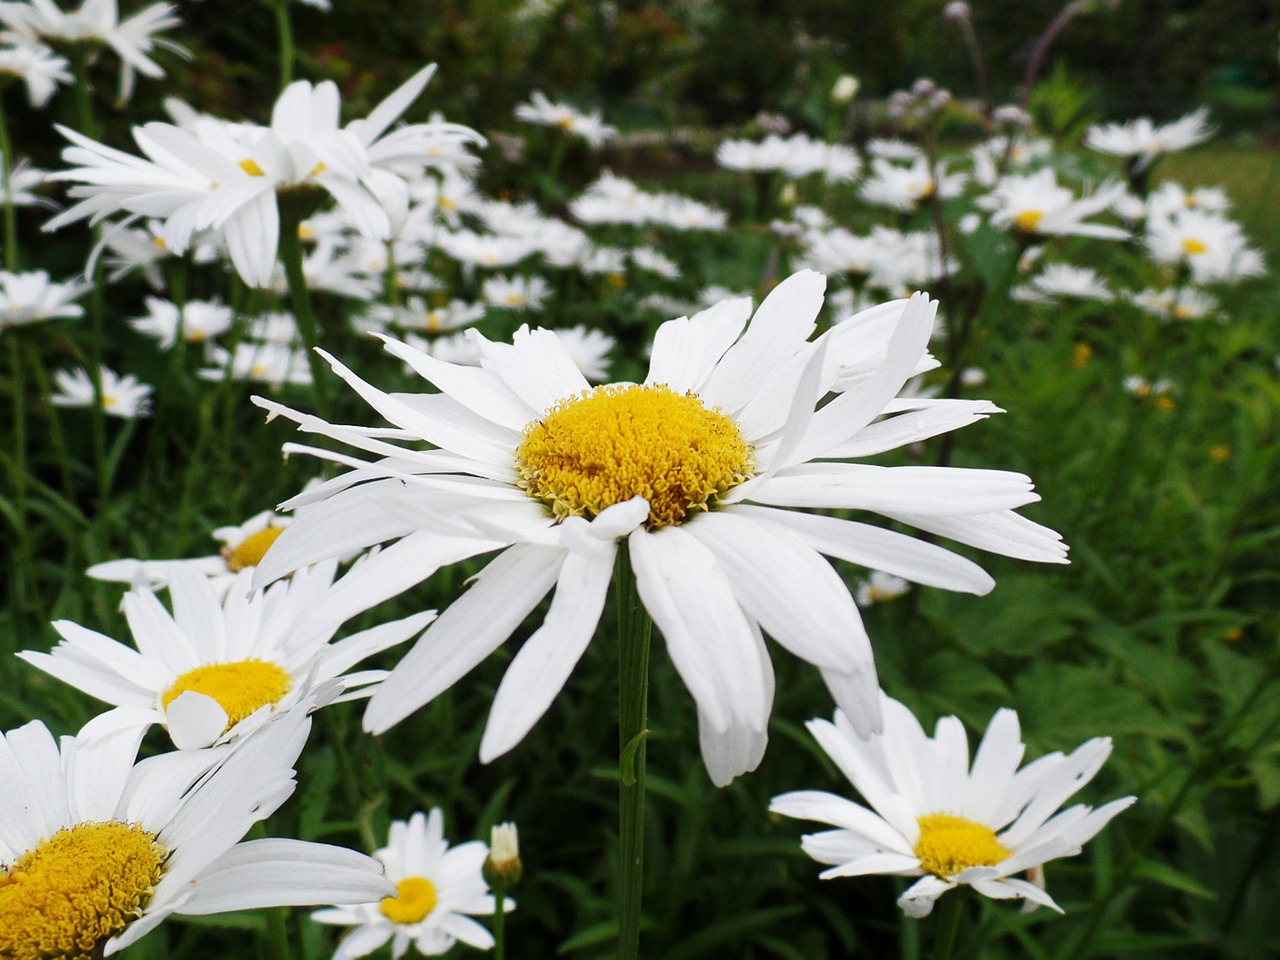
[[240, 687], [415, 898], [949, 845], [250, 551], [1192, 246], [617, 442], [75, 889], [1028, 220]]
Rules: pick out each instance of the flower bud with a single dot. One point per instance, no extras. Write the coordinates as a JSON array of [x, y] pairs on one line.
[[845, 89], [502, 868]]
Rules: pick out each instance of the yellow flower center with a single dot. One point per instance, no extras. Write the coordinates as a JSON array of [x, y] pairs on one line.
[[239, 687], [949, 845], [1028, 220], [435, 321], [447, 203], [613, 443], [159, 242], [881, 595], [415, 898], [565, 123], [1192, 246], [75, 889], [927, 190], [250, 166], [250, 551], [515, 299]]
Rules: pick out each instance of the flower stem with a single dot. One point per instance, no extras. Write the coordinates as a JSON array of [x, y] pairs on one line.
[[634, 629], [291, 258], [284, 29], [948, 925], [500, 922], [10, 213]]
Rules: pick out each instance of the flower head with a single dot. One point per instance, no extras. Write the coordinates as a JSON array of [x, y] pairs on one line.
[[32, 297], [96, 850], [933, 816], [122, 396], [438, 889], [704, 472], [589, 126], [1143, 141]]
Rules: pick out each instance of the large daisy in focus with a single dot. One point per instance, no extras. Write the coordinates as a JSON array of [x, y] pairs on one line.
[[933, 816], [708, 472], [218, 668], [96, 850]]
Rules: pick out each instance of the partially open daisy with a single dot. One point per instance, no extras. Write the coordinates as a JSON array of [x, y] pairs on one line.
[[216, 669], [707, 470], [96, 850], [437, 888], [933, 816]]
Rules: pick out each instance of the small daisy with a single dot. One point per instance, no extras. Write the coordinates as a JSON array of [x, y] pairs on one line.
[[1141, 141], [36, 65], [271, 363], [905, 188], [1181, 303], [705, 473], [32, 297], [931, 815], [97, 850], [1063, 280], [1037, 206], [880, 587], [589, 126], [199, 321], [216, 669], [123, 397], [515, 293], [589, 349], [438, 890], [1212, 247]]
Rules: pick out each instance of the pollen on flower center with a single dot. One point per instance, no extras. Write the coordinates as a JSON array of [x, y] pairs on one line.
[[250, 551], [415, 898], [613, 443], [1192, 246], [1028, 220], [239, 687], [76, 888], [949, 845]]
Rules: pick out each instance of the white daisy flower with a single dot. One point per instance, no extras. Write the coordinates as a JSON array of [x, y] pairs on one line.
[[515, 293], [96, 850], [904, 188], [271, 363], [98, 21], [706, 470], [417, 315], [243, 546], [1141, 141], [654, 261], [199, 321], [589, 126], [438, 890], [122, 396], [890, 149], [216, 669], [1036, 206], [36, 65], [1171, 196], [1212, 247], [880, 587], [32, 297], [589, 349], [1180, 303], [1063, 280], [931, 815]]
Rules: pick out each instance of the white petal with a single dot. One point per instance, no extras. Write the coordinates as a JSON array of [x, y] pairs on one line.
[[195, 720]]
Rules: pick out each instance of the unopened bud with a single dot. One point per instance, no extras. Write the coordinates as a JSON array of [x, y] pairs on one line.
[[956, 10], [502, 868], [844, 89]]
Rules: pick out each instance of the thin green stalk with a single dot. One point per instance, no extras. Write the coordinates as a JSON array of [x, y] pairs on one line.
[[10, 212], [80, 54], [288, 52], [499, 922], [35, 363], [291, 258], [634, 630], [947, 925]]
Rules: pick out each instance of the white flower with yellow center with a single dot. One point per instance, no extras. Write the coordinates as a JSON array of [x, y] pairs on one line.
[[905, 188], [1036, 205], [1141, 141], [122, 396], [33, 297], [214, 671], [543, 112], [438, 889], [197, 321], [1212, 247], [707, 470], [96, 850], [933, 816], [243, 546], [515, 293]]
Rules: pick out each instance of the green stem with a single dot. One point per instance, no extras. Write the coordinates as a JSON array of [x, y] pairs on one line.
[[634, 629], [10, 212], [500, 922], [948, 925], [79, 55], [287, 50], [291, 258]]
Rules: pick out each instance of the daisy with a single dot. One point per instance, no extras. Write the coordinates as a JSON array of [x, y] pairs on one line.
[[1063, 280], [438, 890], [931, 815], [243, 546], [122, 396], [1141, 141], [1036, 206], [904, 188], [515, 293], [36, 65], [98, 21], [880, 588], [24, 179], [704, 472], [31, 297], [216, 669], [1212, 247], [275, 364], [589, 349], [198, 321], [589, 126], [96, 850], [1181, 303]]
